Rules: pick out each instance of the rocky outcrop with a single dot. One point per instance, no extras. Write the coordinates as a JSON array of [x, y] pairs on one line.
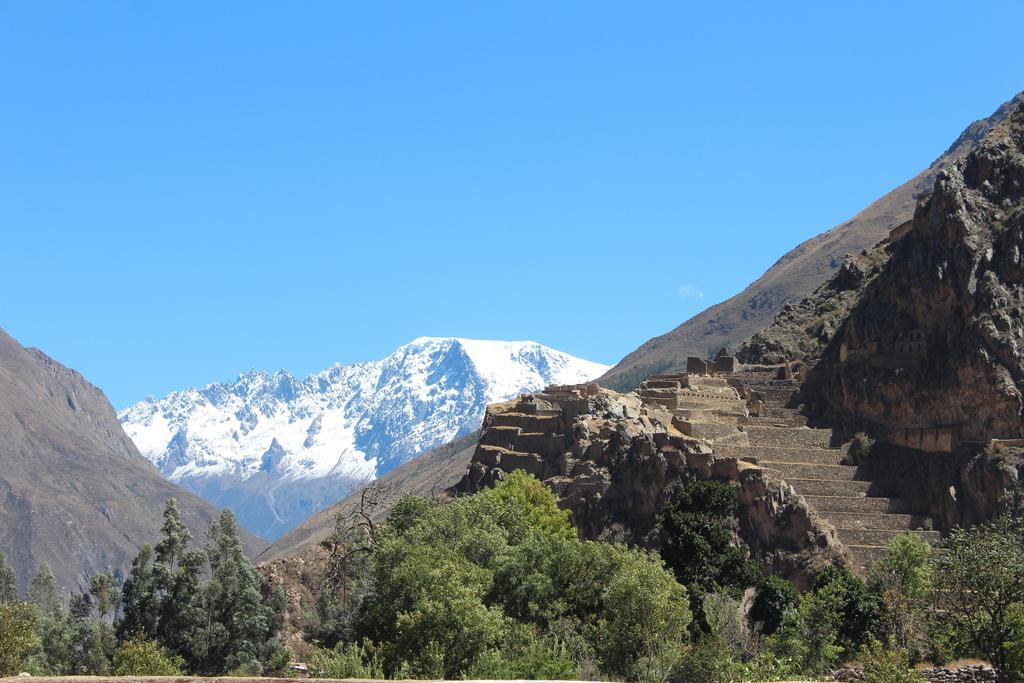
[[801, 331], [931, 355], [613, 459]]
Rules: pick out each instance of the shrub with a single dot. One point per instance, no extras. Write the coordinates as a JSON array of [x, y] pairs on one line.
[[346, 660], [860, 449], [775, 597], [17, 636], [140, 656], [887, 665], [527, 657]]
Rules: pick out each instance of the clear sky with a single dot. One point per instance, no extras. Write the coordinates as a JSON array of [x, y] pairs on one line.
[[193, 189]]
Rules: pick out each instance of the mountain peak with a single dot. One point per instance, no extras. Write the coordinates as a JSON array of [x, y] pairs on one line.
[[336, 428]]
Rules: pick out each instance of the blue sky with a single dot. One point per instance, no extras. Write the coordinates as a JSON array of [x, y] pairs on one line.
[[189, 190]]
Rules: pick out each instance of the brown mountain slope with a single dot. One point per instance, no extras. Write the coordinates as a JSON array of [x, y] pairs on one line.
[[793, 277], [428, 474], [74, 491]]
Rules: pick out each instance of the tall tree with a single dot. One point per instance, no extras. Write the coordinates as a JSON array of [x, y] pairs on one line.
[[242, 622], [105, 593], [175, 537], [140, 601], [43, 591], [183, 618], [978, 583], [8, 581]]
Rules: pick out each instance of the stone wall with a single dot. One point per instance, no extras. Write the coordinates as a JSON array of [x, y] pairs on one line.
[[928, 439], [978, 673]]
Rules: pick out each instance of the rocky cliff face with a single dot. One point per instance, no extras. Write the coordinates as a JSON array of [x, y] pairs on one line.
[[794, 276], [931, 355], [74, 491]]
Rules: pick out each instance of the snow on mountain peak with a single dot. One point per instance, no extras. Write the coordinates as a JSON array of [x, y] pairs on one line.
[[277, 448]]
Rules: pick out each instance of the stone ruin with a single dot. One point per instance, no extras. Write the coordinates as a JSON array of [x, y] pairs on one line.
[[612, 460], [900, 231], [722, 364], [898, 353]]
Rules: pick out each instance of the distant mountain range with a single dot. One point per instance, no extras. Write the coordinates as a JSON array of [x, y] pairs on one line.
[[277, 449], [793, 276], [74, 491]]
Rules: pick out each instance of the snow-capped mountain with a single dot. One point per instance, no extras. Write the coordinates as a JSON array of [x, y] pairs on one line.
[[277, 449]]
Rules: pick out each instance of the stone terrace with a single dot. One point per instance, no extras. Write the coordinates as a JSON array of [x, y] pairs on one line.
[[779, 439]]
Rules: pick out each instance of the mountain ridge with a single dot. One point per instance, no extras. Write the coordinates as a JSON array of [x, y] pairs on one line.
[[277, 448]]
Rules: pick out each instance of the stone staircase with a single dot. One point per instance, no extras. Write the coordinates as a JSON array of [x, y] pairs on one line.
[[779, 439]]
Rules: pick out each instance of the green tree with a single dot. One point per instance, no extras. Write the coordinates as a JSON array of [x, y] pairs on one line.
[[774, 599], [183, 623], [17, 636], [42, 592], [902, 580], [139, 656], [105, 593], [643, 608], [140, 601], [858, 609], [978, 583], [698, 543], [8, 581], [498, 584], [808, 637], [243, 615]]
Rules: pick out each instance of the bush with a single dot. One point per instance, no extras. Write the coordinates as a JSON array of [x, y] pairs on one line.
[[140, 656], [860, 449], [775, 598], [697, 541], [887, 665], [531, 658], [346, 660], [17, 636]]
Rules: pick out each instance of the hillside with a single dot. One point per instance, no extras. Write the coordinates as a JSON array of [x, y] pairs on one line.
[[74, 491], [278, 449], [429, 474], [793, 277]]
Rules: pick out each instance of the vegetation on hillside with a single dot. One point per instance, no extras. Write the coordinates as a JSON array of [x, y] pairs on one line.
[[497, 585]]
